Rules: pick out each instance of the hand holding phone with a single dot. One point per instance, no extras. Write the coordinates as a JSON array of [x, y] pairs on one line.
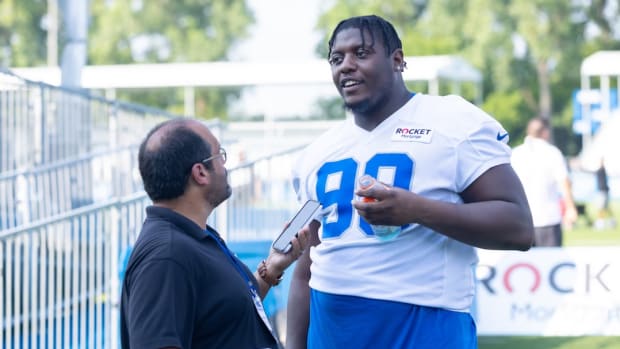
[[305, 214]]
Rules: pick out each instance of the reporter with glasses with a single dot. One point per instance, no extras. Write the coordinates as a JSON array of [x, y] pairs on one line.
[[183, 287]]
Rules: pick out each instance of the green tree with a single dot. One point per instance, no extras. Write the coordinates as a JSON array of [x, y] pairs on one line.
[[604, 17], [22, 33], [165, 30], [169, 31], [562, 30], [138, 31]]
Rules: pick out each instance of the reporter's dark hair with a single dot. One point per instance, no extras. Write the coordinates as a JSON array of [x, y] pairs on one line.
[[165, 168]]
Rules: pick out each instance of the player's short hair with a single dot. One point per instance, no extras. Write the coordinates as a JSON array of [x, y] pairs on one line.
[[375, 26], [165, 167]]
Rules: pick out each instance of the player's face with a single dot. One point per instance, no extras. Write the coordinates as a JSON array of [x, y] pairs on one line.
[[363, 74]]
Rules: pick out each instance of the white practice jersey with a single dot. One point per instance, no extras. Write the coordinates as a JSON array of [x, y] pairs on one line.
[[434, 146]]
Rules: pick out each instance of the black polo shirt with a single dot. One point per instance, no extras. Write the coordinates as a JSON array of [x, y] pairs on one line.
[[181, 290]]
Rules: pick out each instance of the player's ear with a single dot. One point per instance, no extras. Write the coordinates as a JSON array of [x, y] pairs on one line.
[[398, 60]]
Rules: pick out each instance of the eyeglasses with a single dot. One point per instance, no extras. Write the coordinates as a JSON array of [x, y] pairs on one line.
[[221, 153]]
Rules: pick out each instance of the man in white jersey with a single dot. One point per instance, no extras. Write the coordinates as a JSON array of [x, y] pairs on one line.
[[448, 184], [542, 169]]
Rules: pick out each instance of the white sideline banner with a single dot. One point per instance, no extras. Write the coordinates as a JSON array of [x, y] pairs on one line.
[[549, 291]]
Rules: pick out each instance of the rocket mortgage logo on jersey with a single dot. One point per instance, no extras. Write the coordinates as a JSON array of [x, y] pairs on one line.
[[412, 134]]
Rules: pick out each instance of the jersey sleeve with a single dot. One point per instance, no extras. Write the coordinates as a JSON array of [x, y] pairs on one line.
[[483, 148]]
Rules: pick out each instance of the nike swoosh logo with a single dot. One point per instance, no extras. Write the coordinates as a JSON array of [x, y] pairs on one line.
[[501, 136]]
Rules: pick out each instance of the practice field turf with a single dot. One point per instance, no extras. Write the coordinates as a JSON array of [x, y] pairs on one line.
[[582, 234], [549, 342]]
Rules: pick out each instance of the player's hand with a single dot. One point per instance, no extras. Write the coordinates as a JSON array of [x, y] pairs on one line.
[[392, 205]]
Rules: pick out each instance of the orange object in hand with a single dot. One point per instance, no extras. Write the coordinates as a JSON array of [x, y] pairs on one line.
[[366, 182], [382, 232]]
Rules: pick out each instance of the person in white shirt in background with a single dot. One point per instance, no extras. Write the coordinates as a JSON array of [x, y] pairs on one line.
[[543, 172]]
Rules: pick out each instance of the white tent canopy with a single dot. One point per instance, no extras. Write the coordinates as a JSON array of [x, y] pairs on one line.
[[604, 146], [303, 81], [423, 68], [603, 65]]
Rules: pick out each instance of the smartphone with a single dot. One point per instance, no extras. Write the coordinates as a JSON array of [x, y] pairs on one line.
[[283, 242]]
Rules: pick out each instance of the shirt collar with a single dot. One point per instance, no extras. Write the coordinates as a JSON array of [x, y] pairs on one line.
[[185, 224]]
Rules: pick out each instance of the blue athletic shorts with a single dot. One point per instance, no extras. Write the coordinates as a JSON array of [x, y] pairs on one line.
[[338, 321]]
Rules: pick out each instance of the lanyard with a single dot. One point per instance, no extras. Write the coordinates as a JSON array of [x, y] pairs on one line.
[[258, 304], [232, 259]]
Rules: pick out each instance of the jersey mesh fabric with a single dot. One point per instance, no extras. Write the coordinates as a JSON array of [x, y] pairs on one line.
[[434, 146]]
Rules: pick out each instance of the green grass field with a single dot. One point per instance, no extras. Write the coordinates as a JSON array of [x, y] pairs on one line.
[[582, 234], [549, 342]]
